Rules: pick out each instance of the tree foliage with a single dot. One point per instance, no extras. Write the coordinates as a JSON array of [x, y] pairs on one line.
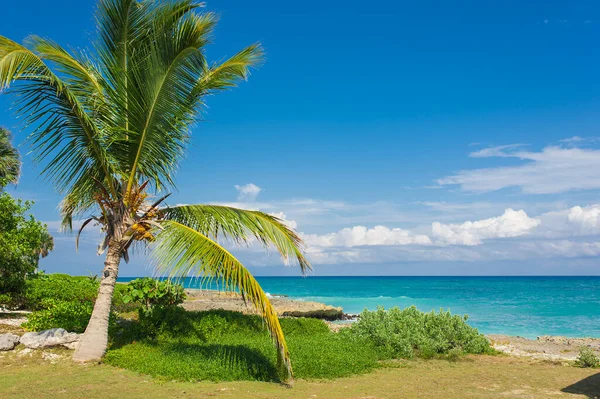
[[10, 164], [23, 240]]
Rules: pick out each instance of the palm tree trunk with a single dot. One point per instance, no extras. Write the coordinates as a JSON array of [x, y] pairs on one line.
[[95, 339]]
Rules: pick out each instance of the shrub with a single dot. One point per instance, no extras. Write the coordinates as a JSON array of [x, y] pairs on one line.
[[409, 332], [63, 301], [150, 292], [72, 316], [59, 288], [587, 358]]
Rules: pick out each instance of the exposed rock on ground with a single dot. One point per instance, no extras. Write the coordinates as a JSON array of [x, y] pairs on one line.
[[199, 300], [49, 338], [545, 347], [8, 341]]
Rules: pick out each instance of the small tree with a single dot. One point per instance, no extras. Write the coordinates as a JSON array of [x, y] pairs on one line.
[[23, 240]]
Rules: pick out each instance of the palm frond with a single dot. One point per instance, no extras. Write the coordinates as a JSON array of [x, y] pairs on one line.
[[241, 226], [225, 75], [160, 83], [65, 137], [182, 251], [80, 73]]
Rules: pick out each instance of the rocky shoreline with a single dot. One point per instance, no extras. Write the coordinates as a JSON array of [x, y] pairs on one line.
[[546, 347], [199, 300]]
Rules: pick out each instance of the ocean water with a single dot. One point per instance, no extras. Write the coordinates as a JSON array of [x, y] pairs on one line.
[[525, 306]]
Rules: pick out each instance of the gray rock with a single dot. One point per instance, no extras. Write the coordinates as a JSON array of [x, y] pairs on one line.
[[8, 341], [71, 345], [49, 338]]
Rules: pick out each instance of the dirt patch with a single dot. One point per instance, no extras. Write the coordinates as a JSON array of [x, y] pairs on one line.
[[545, 347]]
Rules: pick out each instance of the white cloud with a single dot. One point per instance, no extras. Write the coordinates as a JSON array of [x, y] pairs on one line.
[[550, 171], [362, 236], [289, 223], [455, 207], [499, 151], [570, 222], [587, 219], [248, 192], [567, 233], [510, 224], [574, 139]]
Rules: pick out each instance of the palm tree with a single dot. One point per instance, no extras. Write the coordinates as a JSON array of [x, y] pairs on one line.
[[110, 127], [10, 164]]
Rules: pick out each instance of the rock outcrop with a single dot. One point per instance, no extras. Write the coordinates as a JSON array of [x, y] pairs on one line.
[[8, 341], [49, 338], [200, 300]]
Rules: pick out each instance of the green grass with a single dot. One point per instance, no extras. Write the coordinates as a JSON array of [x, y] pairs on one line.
[[474, 377], [229, 346]]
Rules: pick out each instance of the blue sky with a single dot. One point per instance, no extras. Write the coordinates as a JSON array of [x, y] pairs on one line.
[[427, 119]]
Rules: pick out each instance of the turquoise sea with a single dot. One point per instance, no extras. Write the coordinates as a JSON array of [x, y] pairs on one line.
[[525, 306]]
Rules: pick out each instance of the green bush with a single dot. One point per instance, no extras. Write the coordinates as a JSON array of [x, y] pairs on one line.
[[72, 316], [149, 293], [409, 332], [23, 241], [224, 346], [60, 288], [63, 301], [587, 358]]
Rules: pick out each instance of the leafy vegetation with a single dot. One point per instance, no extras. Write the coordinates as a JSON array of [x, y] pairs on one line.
[[150, 292], [166, 341], [587, 358], [63, 301], [225, 346], [405, 333], [172, 343], [23, 240], [72, 316], [45, 289]]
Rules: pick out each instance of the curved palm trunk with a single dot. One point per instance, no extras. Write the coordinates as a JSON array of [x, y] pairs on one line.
[[95, 339]]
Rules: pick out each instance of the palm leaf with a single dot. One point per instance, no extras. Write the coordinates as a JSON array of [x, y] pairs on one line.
[[65, 137], [80, 71], [241, 226], [160, 83], [182, 251]]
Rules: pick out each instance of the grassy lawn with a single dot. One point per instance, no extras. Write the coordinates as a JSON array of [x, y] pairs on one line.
[[472, 377]]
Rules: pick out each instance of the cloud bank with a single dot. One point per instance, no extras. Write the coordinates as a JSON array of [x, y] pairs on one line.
[[550, 171]]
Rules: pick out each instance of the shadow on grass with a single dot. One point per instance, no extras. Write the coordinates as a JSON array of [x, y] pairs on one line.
[[589, 386], [235, 358]]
